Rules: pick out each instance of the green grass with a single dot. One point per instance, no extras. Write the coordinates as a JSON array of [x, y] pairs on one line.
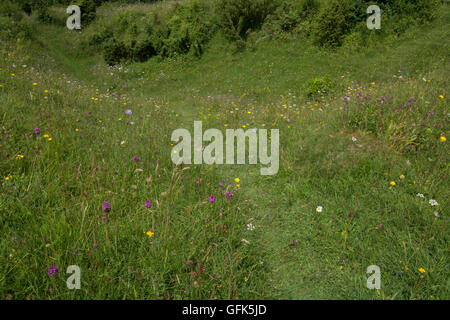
[[293, 252]]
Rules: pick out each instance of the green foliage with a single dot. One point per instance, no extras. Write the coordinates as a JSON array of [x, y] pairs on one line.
[[319, 87], [238, 17], [189, 29], [88, 10], [334, 21]]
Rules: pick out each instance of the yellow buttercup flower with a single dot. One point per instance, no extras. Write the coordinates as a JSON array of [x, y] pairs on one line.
[[237, 180], [402, 176], [149, 233], [442, 139], [19, 156], [392, 183], [422, 270]]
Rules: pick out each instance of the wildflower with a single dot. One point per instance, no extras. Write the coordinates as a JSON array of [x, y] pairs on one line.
[[238, 186], [148, 204], [95, 245], [128, 111], [149, 233], [442, 139], [237, 180], [104, 218], [420, 195], [319, 209], [34, 84], [106, 207], [9, 177], [229, 195], [392, 183], [49, 139], [52, 271], [436, 214], [441, 96], [433, 202], [220, 184], [136, 159], [402, 176], [37, 131], [212, 199], [354, 139], [250, 227], [19, 156], [422, 270]]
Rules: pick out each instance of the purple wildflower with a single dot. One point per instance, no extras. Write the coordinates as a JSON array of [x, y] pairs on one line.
[[229, 195], [37, 130], [212, 199], [136, 159], [128, 111], [104, 218], [52, 271], [220, 184], [148, 204], [106, 207], [95, 245]]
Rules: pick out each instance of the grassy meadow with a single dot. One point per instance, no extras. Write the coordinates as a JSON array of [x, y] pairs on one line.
[[363, 176]]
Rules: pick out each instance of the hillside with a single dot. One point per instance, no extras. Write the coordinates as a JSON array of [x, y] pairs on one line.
[[88, 180]]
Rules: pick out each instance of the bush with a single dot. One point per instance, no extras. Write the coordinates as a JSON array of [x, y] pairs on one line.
[[115, 52], [334, 21], [237, 17], [88, 10], [319, 87], [189, 29]]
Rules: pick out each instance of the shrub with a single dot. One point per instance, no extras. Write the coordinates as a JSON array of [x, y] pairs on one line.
[[237, 17], [334, 21], [319, 87], [114, 52], [189, 29]]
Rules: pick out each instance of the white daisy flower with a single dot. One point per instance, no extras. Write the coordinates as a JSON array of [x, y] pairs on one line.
[[433, 202], [319, 209]]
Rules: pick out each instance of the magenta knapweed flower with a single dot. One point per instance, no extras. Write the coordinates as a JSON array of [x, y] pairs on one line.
[[106, 207], [52, 271], [212, 199], [220, 184], [104, 218], [136, 159], [191, 262], [229, 195], [95, 245], [37, 130], [148, 204]]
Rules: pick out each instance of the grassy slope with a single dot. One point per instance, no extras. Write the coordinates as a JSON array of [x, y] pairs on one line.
[[303, 254]]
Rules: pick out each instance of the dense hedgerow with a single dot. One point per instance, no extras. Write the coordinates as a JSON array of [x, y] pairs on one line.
[[180, 28]]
